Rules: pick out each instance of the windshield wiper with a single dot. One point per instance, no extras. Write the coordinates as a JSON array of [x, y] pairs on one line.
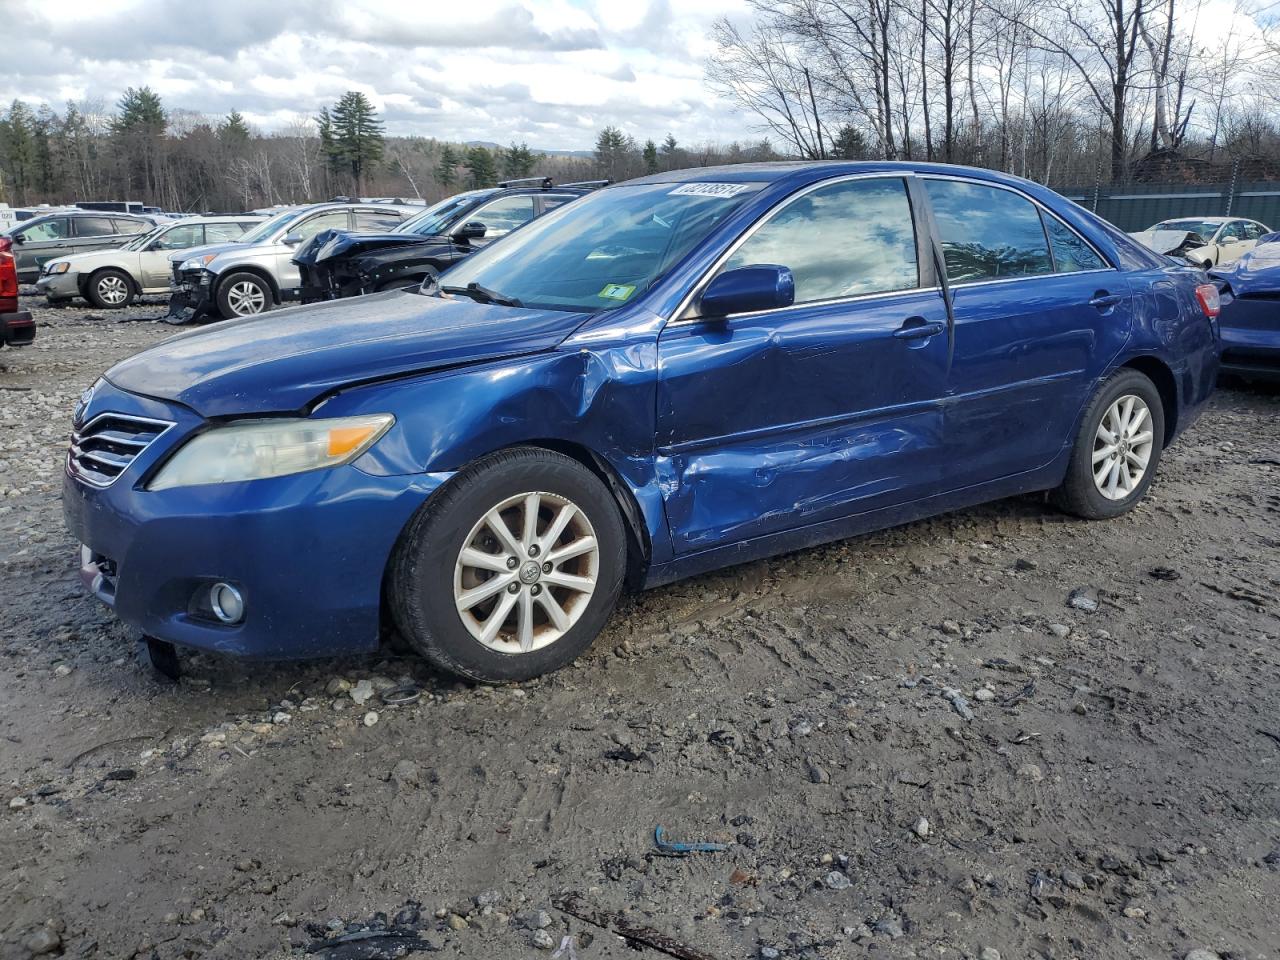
[[483, 295]]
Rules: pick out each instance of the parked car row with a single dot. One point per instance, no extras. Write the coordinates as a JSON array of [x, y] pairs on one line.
[[41, 239], [659, 378]]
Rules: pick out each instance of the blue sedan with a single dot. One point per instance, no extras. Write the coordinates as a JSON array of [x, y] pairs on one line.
[[1250, 292], [686, 371]]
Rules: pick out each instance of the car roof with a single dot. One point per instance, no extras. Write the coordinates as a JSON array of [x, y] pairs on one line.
[[223, 218], [776, 171], [1204, 219]]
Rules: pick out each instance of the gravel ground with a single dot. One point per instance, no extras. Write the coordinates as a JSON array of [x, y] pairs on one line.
[[911, 744]]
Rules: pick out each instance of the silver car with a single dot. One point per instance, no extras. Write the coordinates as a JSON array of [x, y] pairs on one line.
[[65, 232], [245, 278], [110, 279]]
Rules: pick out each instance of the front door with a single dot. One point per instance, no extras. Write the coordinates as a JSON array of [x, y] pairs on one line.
[[287, 274], [829, 407], [1039, 314], [153, 261]]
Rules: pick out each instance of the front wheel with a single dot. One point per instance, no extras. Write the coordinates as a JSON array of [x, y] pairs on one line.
[[110, 289], [243, 295], [1117, 449], [511, 570]]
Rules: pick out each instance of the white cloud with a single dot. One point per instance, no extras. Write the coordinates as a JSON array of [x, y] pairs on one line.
[[552, 72]]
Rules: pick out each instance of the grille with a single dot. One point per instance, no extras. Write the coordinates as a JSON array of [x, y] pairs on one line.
[[103, 448]]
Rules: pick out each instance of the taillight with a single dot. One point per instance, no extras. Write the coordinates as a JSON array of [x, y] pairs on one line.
[[1210, 302], [8, 271]]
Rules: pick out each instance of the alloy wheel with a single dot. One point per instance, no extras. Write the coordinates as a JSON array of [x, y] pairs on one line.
[[526, 572], [113, 290], [1122, 447], [246, 298]]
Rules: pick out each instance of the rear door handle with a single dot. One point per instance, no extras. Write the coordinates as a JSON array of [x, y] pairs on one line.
[[1105, 301], [917, 328]]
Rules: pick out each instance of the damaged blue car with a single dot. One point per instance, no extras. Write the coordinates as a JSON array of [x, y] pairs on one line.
[[1250, 319], [686, 371]]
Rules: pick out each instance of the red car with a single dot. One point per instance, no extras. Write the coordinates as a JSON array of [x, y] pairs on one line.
[[17, 329]]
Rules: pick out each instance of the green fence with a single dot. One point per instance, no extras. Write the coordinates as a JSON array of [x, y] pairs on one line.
[[1136, 206]]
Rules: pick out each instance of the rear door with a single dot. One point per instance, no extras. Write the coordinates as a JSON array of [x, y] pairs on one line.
[[1039, 314], [776, 420], [93, 233]]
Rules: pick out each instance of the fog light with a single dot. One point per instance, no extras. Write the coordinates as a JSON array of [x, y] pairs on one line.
[[227, 604]]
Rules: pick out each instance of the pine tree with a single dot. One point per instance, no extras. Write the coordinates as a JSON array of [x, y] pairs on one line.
[[650, 157], [614, 150], [481, 170], [137, 131], [518, 162], [849, 144], [446, 172], [669, 151], [17, 138], [356, 141], [234, 129]]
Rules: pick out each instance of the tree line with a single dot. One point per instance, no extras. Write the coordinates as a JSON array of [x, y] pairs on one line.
[[184, 161], [1061, 91]]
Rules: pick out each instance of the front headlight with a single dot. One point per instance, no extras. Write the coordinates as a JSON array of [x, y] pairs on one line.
[[197, 263], [256, 449]]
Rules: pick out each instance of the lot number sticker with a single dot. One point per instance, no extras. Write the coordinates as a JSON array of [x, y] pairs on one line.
[[709, 189], [617, 291]]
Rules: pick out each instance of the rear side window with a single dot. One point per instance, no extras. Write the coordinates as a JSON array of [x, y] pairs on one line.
[[842, 240], [95, 227], [225, 232], [552, 200], [1070, 253], [987, 233], [131, 226]]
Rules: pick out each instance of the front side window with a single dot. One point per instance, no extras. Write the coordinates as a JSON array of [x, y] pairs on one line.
[[842, 240], [603, 250], [503, 215], [377, 221], [55, 229], [1070, 253], [335, 220], [179, 238], [987, 233]]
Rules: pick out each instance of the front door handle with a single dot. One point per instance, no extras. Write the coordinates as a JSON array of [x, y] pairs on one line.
[[918, 328], [1104, 301]]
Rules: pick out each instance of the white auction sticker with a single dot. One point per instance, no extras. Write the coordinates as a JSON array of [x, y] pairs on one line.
[[710, 189]]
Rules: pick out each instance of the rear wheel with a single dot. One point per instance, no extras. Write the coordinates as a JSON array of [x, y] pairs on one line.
[[1117, 449], [512, 569], [243, 295], [110, 289]]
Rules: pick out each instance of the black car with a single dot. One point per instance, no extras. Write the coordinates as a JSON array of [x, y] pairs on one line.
[[336, 264]]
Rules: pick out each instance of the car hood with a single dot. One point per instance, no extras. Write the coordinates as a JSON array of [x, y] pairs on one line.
[[283, 360], [216, 248], [1166, 241], [331, 244], [80, 261]]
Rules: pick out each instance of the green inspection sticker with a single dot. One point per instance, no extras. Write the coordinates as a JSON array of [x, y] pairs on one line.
[[617, 291]]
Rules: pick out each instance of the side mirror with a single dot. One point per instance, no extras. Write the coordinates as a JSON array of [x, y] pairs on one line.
[[292, 239], [19, 238], [765, 286], [470, 231]]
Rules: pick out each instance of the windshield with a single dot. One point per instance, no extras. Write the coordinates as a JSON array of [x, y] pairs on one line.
[[1205, 228], [270, 226], [602, 250], [433, 219]]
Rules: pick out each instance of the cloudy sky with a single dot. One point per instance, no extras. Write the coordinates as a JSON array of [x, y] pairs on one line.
[[549, 72]]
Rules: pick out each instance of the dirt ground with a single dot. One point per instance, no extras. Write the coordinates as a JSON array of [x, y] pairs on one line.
[[910, 743]]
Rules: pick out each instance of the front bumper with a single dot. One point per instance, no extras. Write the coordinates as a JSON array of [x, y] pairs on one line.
[[307, 552], [189, 299], [59, 286]]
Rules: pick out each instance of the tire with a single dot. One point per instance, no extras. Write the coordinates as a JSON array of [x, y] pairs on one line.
[[428, 573], [238, 293], [110, 289], [1120, 488]]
